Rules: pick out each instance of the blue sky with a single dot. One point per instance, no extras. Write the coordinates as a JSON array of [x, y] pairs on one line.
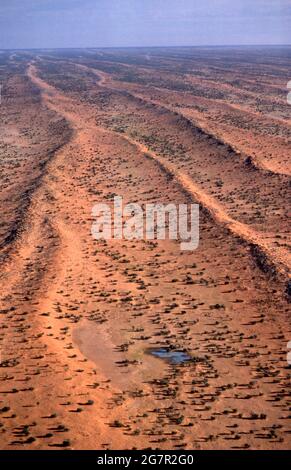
[[106, 23]]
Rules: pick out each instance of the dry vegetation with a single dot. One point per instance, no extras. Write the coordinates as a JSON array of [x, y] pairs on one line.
[[79, 318]]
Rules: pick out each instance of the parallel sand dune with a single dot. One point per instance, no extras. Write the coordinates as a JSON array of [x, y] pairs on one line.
[[80, 317]]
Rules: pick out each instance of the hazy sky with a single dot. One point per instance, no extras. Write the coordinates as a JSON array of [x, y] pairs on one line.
[[98, 23]]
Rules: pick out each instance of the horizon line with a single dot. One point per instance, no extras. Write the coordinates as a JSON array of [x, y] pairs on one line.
[[142, 47]]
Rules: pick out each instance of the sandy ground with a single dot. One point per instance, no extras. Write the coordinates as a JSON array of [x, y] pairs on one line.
[[79, 316]]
